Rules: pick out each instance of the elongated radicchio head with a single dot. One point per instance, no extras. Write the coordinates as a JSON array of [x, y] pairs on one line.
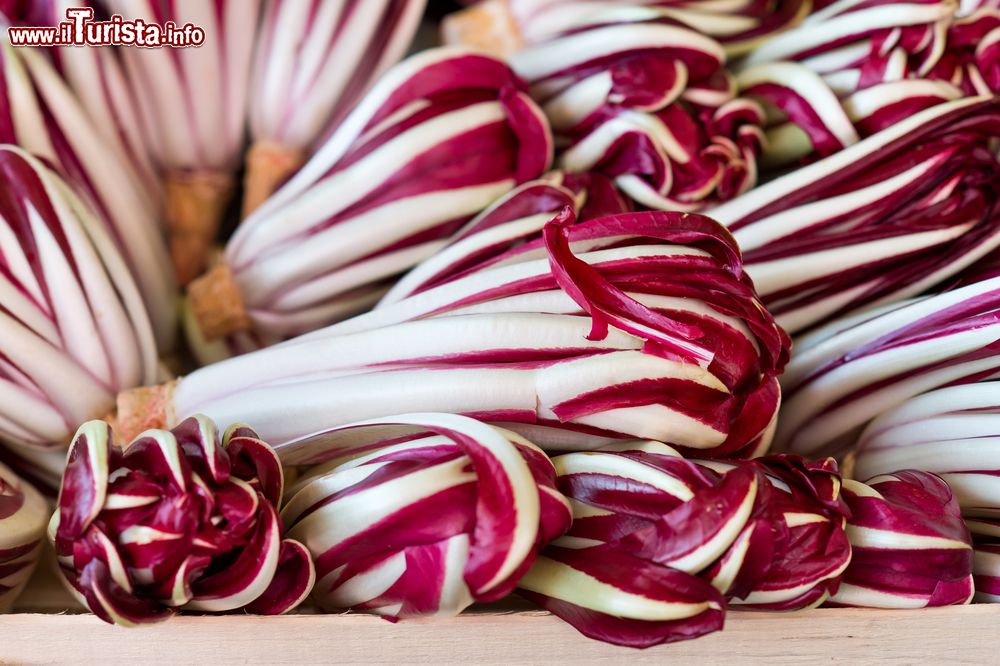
[[64, 109], [73, 328], [434, 142], [651, 105], [910, 546], [659, 544], [313, 62], [855, 369], [179, 520], [636, 325], [421, 514], [193, 103], [885, 219], [23, 513], [194, 99]]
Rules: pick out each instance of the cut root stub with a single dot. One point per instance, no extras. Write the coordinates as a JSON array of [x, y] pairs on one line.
[[144, 408], [196, 202], [269, 165], [489, 26], [217, 303]]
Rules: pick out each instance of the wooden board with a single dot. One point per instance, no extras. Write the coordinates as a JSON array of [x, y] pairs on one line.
[[50, 629], [968, 635]]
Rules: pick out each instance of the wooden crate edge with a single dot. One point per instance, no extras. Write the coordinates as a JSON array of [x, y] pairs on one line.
[[959, 635]]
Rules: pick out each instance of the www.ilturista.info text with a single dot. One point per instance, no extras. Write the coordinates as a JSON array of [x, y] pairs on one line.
[[80, 29]]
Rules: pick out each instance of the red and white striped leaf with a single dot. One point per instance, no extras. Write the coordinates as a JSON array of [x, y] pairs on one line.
[[74, 328], [910, 546], [423, 523], [174, 523], [882, 220], [57, 109], [435, 141], [23, 515], [683, 351]]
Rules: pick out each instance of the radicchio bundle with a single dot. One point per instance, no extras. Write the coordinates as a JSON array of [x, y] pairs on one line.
[[880, 221], [434, 142], [857, 368], [421, 514], [23, 514], [193, 102], [313, 61], [910, 546], [179, 520], [651, 105], [70, 128], [627, 326], [73, 328], [659, 544], [505, 26]]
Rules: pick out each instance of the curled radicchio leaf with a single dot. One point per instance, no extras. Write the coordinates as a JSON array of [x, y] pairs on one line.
[[910, 546], [660, 545], [421, 514], [651, 105], [852, 69], [179, 520], [794, 549], [645, 523]]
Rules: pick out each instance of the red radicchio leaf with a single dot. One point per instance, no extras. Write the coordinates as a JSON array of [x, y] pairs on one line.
[[174, 529], [911, 547], [470, 504]]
